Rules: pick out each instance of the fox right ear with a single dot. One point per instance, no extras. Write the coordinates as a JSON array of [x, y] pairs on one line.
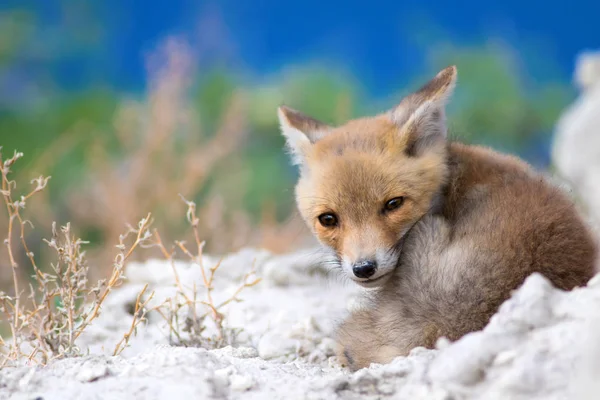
[[300, 132], [421, 115]]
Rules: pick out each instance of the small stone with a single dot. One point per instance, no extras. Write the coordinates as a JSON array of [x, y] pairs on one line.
[[238, 352], [241, 383], [92, 373], [316, 356], [442, 343], [386, 388], [245, 352], [339, 384], [327, 346], [504, 357], [274, 346], [225, 372]]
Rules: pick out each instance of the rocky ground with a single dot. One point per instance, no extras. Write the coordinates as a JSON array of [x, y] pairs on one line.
[[542, 344]]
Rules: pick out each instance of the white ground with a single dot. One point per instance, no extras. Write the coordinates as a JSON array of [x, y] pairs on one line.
[[542, 344]]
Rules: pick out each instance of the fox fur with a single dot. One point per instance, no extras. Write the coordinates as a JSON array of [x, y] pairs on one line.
[[467, 227]]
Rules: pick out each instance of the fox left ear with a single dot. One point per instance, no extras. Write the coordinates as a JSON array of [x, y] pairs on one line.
[[300, 131], [421, 115]]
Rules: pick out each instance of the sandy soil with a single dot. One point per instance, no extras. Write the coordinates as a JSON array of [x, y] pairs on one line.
[[542, 344]]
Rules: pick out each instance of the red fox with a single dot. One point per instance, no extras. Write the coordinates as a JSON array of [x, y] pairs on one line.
[[442, 231]]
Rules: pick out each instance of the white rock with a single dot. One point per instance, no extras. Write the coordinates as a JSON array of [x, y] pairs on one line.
[[274, 345], [576, 148], [90, 373], [241, 383]]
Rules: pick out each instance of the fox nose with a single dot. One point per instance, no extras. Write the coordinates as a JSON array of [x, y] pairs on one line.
[[364, 269]]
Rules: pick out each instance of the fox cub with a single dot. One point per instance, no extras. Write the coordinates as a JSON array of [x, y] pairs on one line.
[[442, 231]]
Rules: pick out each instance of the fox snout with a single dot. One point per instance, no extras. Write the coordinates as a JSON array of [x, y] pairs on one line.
[[367, 255], [364, 269], [370, 271]]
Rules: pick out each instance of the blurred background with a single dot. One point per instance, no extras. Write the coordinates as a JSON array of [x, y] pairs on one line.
[[127, 104]]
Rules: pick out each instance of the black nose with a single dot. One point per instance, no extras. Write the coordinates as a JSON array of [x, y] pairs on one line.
[[364, 269]]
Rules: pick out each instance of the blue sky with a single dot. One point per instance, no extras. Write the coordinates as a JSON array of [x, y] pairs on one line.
[[379, 41]]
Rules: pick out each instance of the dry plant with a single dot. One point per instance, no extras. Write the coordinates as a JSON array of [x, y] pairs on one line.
[[190, 330], [155, 148], [64, 303], [161, 150], [139, 316]]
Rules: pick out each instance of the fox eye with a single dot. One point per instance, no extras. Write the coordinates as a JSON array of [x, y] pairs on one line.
[[328, 220], [393, 204]]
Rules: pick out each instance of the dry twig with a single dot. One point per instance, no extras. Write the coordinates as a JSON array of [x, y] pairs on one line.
[[139, 316], [194, 323], [63, 304]]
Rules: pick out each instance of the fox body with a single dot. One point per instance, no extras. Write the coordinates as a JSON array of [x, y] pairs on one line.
[[443, 232]]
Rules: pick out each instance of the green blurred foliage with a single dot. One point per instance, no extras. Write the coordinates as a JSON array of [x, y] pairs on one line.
[[496, 103], [491, 106]]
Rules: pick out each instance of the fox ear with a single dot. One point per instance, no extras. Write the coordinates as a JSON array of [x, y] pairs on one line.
[[421, 115], [300, 131]]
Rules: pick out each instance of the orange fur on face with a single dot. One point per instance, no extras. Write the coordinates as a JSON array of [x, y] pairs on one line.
[[353, 172]]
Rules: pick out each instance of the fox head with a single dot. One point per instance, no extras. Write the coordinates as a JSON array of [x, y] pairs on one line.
[[364, 184]]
